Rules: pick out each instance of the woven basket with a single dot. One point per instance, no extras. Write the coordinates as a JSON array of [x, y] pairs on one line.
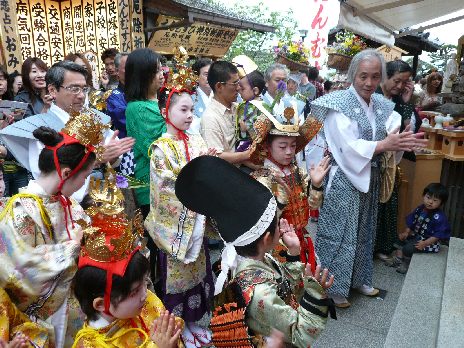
[[291, 64], [338, 61]]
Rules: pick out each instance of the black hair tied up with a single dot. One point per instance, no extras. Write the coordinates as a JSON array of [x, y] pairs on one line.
[[47, 136], [68, 156]]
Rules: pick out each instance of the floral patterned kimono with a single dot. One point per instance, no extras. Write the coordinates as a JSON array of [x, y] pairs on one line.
[[184, 263], [273, 295], [13, 321], [39, 245], [122, 333]]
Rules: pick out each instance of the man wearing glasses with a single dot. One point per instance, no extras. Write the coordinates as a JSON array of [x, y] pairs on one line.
[[66, 84], [218, 121]]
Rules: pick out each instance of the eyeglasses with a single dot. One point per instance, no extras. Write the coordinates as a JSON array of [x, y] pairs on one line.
[[77, 89], [236, 83]]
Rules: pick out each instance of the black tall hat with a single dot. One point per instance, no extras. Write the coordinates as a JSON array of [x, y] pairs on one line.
[[241, 207]]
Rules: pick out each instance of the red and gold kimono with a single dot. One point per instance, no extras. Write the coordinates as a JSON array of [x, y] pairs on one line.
[[291, 188]]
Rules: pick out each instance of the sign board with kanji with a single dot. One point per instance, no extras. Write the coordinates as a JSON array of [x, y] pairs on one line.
[[391, 53], [198, 39]]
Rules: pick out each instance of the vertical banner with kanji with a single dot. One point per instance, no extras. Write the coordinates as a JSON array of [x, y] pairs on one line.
[[55, 31], [66, 12], [101, 26], [52, 29], [23, 18], [112, 23], [138, 37], [78, 25], [9, 36], [125, 26], [89, 26], [318, 14], [40, 30]]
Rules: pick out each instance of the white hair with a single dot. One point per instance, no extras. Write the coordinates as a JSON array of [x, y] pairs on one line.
[[272, 68], [368, 54]]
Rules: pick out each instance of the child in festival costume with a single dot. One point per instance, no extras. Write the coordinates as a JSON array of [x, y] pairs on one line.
[[280, 140], [111, 283], [39, 233], [263, 293], [427, 225], [183, 259], [251, 86], [17, 328]]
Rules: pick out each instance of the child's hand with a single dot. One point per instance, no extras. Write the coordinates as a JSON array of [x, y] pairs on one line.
[[19, 341], [209, 152], [289, 237], [321, 277], [165, 331], [317, 173], [276, 340], [404, 235], [420, 245], [243, 126]]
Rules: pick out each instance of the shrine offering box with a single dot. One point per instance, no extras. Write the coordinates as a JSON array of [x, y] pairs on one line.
[[453, 144], [435, 138]]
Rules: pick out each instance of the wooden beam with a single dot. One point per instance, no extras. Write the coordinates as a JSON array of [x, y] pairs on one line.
[[182, 23], [426, 27], [378, 8]]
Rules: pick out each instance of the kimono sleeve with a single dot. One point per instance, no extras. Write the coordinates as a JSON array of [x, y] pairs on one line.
[[300, 326], [23, 261], [162, 223], [440, 226], [411, 218], [352, 154]]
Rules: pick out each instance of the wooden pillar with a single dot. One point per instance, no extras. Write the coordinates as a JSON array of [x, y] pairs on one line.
[[415, 63]]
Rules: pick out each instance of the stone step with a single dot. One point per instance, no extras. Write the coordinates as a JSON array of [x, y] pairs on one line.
[[451, 329], [415, 322]]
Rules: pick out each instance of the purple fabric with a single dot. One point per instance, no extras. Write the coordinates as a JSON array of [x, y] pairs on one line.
[[116, 108], [202, 292]]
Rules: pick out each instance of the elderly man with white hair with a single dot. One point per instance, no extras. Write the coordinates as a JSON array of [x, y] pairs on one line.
[[359, 126]]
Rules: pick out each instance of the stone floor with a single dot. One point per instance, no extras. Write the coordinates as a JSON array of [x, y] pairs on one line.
[[365, 324]]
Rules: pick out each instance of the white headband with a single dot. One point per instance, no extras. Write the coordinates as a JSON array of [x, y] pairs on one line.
[[229, 254]]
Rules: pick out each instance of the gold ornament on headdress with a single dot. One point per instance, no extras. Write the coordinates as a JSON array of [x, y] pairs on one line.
[[183, 77], [98, 98], [87, 127], [289, 114], [266, 124], [110, 222]]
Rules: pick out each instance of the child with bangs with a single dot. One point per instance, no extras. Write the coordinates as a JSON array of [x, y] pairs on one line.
[[184, 267]]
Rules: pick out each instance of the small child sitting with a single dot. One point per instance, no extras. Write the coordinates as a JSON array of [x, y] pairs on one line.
[[427, 225]]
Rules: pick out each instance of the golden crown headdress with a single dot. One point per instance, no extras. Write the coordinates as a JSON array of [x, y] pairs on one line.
[[183, 77], [87, 127], [111, 237]]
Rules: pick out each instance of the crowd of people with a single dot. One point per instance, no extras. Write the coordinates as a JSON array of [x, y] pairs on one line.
[[237, 163]]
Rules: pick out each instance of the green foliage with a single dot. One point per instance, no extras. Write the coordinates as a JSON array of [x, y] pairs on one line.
[[423, 67], [257, 45], [441, 57]]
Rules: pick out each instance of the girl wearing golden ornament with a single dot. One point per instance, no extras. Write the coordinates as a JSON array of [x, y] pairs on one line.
[[111, 283], [40, 232], [183, 258]]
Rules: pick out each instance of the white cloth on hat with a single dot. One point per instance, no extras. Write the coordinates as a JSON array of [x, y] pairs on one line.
[[229, 254]]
